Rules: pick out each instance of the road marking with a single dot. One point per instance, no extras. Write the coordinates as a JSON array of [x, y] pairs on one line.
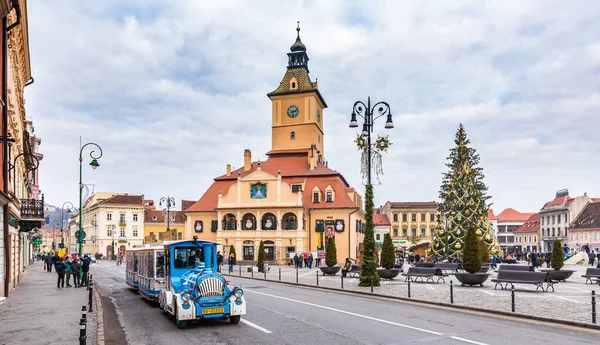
[[468, 341], [348, 313], [253, 325], [487, 292], [567, 299], [429, 287], [306, 274]]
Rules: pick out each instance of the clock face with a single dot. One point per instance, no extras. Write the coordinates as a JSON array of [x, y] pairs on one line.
[[292, 111], [318, 115]]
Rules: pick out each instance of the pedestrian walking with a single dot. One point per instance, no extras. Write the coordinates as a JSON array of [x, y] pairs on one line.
[[75, 271], [60, 271], [48, 259], [231, 262], [219, 261]]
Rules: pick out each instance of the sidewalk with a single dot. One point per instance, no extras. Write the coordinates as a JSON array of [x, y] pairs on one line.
[[39, 313]]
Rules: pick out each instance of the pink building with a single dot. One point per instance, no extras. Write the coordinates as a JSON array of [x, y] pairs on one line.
[[584, 233]]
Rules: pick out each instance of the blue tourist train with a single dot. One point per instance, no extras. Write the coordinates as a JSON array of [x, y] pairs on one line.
[[182, 276]]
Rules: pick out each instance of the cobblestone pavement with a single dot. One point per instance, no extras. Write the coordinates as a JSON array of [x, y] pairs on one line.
[[571, 301], [36, 312]]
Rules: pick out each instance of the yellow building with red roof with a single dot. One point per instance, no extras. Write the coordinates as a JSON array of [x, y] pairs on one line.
[[292, 201]]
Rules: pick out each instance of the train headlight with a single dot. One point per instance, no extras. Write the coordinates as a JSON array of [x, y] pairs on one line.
[[238, 293], [185, 296]]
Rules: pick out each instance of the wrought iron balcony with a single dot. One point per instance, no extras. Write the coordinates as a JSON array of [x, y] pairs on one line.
[[32, 214], [122, 222]]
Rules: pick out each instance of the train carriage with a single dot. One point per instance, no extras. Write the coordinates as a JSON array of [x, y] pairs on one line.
[[145, 269], [194, 290], [131, 268]]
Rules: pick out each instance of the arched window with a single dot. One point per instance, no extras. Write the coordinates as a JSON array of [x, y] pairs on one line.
[[248, 222], [293, 85], [290, 221], [269, 222], [293, 136], [229, 222]]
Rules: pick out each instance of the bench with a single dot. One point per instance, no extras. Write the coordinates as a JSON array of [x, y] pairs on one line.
[[523, 277], [424, 273], [591, 273], [521, 268], [354, 271], [447, 266]]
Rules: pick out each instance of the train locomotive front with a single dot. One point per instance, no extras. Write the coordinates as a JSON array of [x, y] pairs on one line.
[[202, 293]]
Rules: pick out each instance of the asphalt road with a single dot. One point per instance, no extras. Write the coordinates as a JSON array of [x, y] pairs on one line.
[[282, 314]]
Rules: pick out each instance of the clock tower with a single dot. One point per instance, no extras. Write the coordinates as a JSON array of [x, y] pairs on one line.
[[297, 106]]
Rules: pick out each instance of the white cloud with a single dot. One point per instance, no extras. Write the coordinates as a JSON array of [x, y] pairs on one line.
[[174, 91]]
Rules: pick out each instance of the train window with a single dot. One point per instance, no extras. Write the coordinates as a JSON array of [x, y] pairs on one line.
[[186, 257], [160, 265], [150, 264]]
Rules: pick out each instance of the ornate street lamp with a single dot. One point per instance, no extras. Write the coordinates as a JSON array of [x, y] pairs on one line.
[[29, 166], [62, 223], [94, 164], [169, 203], [367, 112]]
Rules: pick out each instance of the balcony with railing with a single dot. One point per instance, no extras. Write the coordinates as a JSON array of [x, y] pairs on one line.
[[32, 214], [122, 221]]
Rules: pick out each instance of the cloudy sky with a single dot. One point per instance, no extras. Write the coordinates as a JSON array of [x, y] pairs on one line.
[[174, 90]]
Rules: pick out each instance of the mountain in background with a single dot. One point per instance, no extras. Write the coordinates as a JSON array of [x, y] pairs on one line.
[[53, 216]]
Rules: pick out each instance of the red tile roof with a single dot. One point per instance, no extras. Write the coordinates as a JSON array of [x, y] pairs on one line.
[[126, 199], [512, 215], [381, 220], [161, 215], [294, 169], [407, 204], [588, 218], [491, 215], [560, 201], [185, 204], [532, 224]]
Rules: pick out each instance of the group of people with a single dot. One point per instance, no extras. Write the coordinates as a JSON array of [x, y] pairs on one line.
[[305, 259], [69, 266]]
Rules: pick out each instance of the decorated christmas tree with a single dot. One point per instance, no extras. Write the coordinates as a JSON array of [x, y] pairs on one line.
[[464, 201]]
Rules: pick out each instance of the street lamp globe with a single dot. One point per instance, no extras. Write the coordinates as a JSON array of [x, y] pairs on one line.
[[353, 122], [94, 164], [389, 124]]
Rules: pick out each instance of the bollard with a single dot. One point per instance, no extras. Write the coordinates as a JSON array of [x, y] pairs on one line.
[[82, 335], [372, 283], [512, 297], [83, 313], [342, 282], [240, 270], [593, 306], [91, 297], [279, 273], [265, 272], [451, 293], [296, 275], [317, 278], [408, 287], [252, 271]]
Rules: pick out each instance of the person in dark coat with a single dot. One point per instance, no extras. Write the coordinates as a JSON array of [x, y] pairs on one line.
[[60, 270], [75, 268], [85, 268], [48, 260]]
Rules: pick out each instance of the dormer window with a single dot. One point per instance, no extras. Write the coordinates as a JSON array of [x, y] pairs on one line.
[[329, 197], [293, 84], [315, 197], [296, 188]]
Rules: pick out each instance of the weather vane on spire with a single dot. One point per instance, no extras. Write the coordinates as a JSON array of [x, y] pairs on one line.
[[298, 28]]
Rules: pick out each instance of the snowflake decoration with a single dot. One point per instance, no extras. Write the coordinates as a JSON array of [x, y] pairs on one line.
[[382, 143], [360, 141]]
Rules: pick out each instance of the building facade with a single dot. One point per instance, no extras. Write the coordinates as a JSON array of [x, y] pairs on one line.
[[584, 232], [508, 221], [382, 226], [113, 220], [20, 212], [155, 223], [528, 234], [293, 201], [412, 222], [556, 215]]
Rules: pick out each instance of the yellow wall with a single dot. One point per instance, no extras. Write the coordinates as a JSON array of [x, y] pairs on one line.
[[308, 130], [160, 227]]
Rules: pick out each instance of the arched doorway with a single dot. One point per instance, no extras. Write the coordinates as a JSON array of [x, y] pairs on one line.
[[269, 250], [229, 222], [248, 222], [248, 250], [290, 222], [122, 250], [109, 252], [269, 221]]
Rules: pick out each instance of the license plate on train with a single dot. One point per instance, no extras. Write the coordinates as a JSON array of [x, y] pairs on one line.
[[213, 311]]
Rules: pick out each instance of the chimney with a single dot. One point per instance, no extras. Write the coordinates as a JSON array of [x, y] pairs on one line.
[[247, 160], [228, 169], [312, 157]]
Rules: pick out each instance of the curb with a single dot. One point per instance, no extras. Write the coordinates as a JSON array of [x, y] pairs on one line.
[[435, 304], [100, 319]]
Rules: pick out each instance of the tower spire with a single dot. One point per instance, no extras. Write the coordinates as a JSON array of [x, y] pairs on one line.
[[297, 56], [298, 29]]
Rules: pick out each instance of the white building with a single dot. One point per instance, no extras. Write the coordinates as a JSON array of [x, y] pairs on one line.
[[382, 226], [508, 221], [113, 219], [556, 215]]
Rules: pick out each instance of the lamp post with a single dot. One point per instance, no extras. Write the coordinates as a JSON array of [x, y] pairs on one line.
[[169, 203], [62, 222], [114, 228], [94, 164], [367, 113]]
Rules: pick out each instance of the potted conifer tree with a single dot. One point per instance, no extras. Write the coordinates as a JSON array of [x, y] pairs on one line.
[[388, 259], [471, 261], [485, 257], [330, 259], [261, 256], [557, 262]]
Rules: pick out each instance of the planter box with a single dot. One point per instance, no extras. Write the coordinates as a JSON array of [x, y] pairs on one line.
[[330, 270], [388, 274], [558, 275], [472, 279]]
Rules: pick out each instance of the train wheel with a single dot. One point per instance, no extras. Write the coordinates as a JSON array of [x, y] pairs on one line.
[[235, 319]]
